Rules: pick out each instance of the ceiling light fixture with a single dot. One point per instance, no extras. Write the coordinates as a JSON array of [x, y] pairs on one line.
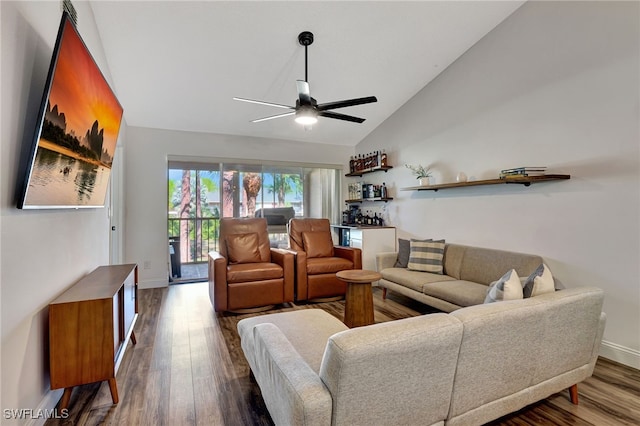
[[306, 116], [307, 109]]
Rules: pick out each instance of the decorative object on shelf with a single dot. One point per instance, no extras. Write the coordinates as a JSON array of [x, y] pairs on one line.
[[462, 177], [421, 173], [361, 191], [364, 163], [519, 172], [523, 180]]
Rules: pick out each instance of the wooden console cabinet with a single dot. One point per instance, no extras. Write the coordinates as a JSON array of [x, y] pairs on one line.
[[89, 327]]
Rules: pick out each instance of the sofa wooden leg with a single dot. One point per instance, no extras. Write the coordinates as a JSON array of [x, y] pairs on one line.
[[384, 293], [573, 394]]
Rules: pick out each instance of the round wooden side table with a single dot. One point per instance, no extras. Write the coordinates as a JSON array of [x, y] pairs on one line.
[[358, 307]]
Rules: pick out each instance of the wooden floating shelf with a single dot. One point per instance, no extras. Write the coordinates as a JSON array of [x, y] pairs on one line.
[[364, 172], [524, 180], [360, 200]]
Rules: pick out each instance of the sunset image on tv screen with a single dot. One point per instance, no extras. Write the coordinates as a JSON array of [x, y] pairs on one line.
[[79, 132]]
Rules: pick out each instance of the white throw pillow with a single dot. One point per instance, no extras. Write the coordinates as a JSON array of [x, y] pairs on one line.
[[508, 287], [539, 282]]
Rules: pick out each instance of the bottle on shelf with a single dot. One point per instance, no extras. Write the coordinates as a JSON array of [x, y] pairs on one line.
[[383, 191], [383, 159]]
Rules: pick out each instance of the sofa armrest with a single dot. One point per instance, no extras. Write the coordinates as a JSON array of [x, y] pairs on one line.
[[218, 281], [292, 391], [386, 260], [352, 254]]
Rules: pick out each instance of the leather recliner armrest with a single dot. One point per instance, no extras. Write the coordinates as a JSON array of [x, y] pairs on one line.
[[350, 253], [285, 258], [301, 283], [218, 281]]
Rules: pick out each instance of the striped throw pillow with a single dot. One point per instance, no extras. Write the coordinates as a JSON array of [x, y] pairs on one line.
[[426, 256]]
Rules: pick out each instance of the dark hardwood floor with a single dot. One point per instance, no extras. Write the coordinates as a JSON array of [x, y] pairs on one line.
[[188, 369]]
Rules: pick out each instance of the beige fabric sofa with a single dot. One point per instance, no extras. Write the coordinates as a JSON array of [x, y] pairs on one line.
[[468, 271], [464, 368]]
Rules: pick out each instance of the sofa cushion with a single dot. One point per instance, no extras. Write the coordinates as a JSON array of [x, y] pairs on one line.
[[459, 292], [508, 287], [317, 244], [414, 280], [426, 256], [310, 340], [327, 265], [539, 282], [243, 248], [393, 373], [483, 265], [404, 249]]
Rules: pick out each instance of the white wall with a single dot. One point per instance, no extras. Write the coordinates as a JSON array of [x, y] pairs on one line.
[[556, 84], [43, 252], [145, 158]]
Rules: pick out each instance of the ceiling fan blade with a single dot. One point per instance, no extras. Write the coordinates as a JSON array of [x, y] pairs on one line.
[[264, 103], [303, 92], [273, 116], [340, 116], [346, 103]]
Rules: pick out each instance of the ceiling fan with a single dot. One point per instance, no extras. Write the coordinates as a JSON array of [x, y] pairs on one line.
[[307, 109]]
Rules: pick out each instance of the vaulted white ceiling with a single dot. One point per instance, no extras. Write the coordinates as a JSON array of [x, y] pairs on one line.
[[177, 65]]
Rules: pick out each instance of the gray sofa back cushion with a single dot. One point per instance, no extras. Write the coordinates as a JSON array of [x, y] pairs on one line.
[[484, 265], [398, 372], [511, 348]]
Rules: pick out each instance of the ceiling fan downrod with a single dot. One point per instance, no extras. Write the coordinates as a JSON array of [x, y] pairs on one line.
[[305, 38]]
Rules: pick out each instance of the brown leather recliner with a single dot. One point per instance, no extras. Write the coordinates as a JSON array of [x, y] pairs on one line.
[[318, 260], [247, 275]]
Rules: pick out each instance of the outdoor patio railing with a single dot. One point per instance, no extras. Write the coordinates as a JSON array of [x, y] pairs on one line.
[[202, 237]]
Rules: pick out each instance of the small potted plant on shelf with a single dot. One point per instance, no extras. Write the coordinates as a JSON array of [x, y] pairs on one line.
[[421, 173]]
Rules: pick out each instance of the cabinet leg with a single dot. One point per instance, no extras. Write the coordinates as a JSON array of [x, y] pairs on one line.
[[114, 390], [133, 338], [66, 396]]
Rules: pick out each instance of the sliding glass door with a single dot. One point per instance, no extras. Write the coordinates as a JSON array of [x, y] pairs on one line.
[[201, 193]]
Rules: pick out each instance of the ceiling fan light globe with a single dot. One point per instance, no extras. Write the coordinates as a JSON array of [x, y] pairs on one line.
[[306, 118]]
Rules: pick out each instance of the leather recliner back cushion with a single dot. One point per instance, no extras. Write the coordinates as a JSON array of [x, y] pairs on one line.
[[243, 248], [231, 226], [317, 244], [298, 226]]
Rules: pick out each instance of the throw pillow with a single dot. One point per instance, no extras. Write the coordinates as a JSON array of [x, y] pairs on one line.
[[243, 248], [426, 256], [403, 253], [317, 244], [539, 282], [508, 287]]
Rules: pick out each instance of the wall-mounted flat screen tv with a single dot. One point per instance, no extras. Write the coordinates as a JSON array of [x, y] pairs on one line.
[[73, 145]]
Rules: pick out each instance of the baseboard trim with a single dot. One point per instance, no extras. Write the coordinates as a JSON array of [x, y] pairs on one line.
[[153, 284], [623, 355], [45, 409]]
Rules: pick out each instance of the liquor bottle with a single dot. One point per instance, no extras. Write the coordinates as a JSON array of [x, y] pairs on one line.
[[383, 191], [383, 159], [351, 165]]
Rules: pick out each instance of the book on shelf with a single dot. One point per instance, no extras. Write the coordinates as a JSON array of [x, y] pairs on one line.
[[520, 172]]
